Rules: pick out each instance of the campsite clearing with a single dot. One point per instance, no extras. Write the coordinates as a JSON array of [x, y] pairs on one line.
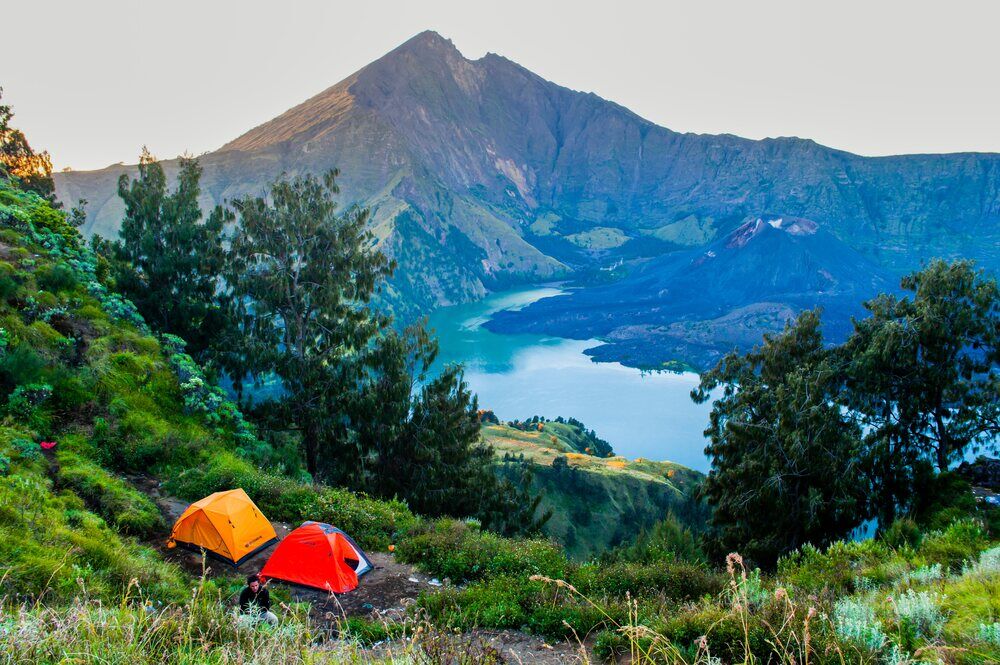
[[386, 592]]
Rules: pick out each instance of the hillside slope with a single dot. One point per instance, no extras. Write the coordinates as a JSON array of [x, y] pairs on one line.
[[596, 502], [483, 174], [79, 367]]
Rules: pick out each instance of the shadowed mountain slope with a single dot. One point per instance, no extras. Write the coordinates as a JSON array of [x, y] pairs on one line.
[[698, 304]]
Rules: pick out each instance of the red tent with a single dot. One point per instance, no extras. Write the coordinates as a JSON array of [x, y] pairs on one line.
[[320, 556]]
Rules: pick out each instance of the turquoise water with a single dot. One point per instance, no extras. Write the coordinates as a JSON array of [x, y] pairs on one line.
[[647, 415]]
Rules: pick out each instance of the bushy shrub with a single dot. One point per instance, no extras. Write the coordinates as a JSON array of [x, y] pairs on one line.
[[924, 574], [71, 392], [135, 443], [25, 398], [668, 539], [725, 634], [902, 533], [497, 603], [21, 365], [919, 612], [611, 644], [369, 631], [56, 278], [837, 567], [454, 549], [279, 498], [990, 633], [26, 450], [960, 542], [856, 621], [25, 403], [210, 401], [672, 579], [988, 563], [516, 602], [570, 617], [373, 523]]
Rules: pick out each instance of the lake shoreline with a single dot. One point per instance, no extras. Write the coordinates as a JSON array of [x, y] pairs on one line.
[[644, 413]]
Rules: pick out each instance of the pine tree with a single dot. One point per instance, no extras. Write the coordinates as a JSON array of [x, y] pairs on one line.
[[785, 459], [922, 378], [418, 438], [166, 260], [301, 276]]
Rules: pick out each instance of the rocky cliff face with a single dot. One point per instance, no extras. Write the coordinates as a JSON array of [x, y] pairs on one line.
[[482, 174]]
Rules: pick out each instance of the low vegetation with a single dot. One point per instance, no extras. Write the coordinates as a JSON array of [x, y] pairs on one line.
[[596, 500]]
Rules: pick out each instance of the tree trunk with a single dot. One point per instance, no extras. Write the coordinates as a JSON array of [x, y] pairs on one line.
[[311, 445], [944, 443]]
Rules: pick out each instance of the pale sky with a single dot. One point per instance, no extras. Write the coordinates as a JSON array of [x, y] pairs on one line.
[[94, 81]]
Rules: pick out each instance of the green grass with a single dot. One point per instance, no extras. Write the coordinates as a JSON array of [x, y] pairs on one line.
[[53, 548], [136, 631], [121, 505]]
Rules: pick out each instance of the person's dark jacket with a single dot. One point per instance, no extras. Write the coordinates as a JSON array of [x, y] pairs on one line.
[[251, 602]]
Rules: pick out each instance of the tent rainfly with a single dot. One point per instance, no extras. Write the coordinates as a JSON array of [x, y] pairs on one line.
[[320, 556], [227, 525]]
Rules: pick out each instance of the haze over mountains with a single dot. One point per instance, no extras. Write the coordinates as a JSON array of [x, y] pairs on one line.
[[483, 175]]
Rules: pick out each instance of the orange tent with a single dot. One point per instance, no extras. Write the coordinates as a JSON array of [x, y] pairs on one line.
[[226, 524], [320, 556]]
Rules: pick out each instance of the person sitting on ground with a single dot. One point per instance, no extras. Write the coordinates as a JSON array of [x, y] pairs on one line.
[[255, 602]]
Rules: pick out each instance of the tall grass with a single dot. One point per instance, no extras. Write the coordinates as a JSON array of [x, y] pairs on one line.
[[747, 624], [206, 629], [134, 631]]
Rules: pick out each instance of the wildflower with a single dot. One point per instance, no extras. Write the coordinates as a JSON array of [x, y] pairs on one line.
[[780, 594]]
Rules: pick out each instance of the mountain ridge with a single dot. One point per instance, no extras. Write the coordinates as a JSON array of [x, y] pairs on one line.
[[483, 175]]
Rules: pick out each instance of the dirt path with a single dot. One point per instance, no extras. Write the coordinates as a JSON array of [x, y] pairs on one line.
[[384, 593]]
